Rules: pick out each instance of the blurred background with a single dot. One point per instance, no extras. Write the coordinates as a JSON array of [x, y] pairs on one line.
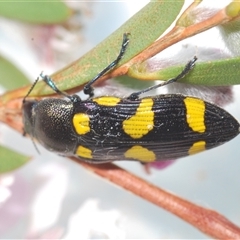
[[52, 197]]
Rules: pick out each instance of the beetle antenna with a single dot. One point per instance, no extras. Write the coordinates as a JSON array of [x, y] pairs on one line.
[[35, 145], [30, 90]]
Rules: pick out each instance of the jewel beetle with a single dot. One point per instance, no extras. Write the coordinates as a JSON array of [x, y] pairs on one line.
[[109, 128]]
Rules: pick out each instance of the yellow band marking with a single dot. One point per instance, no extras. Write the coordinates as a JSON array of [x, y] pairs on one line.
[[141, 154], [81, 123], [142, 122], [197, 147], [195, 114], [84, 152], [107, 101]]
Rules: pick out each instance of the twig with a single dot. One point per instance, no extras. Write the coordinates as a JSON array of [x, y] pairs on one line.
[[206, 220]]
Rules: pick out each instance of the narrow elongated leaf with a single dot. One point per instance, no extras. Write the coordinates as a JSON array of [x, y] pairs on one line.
[[223, 72], [10, 160], [11, 77], [40, 12], [144, 28]]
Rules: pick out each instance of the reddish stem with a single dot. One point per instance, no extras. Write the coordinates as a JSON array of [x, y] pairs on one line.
[[206, 220]]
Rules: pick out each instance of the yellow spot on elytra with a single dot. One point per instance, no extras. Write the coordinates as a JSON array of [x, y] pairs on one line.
[[197, 147], [84, 152], [142, 122], [81, 123], [141, 154], [195, 114], [107, 101]]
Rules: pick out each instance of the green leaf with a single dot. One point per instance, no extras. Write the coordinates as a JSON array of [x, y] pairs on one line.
[[144, 28], [133, 83], [11, 77], [10, 160], [38, 12], [223, 72]]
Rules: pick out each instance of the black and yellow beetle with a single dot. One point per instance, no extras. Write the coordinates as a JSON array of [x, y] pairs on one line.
[[109, 128]]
